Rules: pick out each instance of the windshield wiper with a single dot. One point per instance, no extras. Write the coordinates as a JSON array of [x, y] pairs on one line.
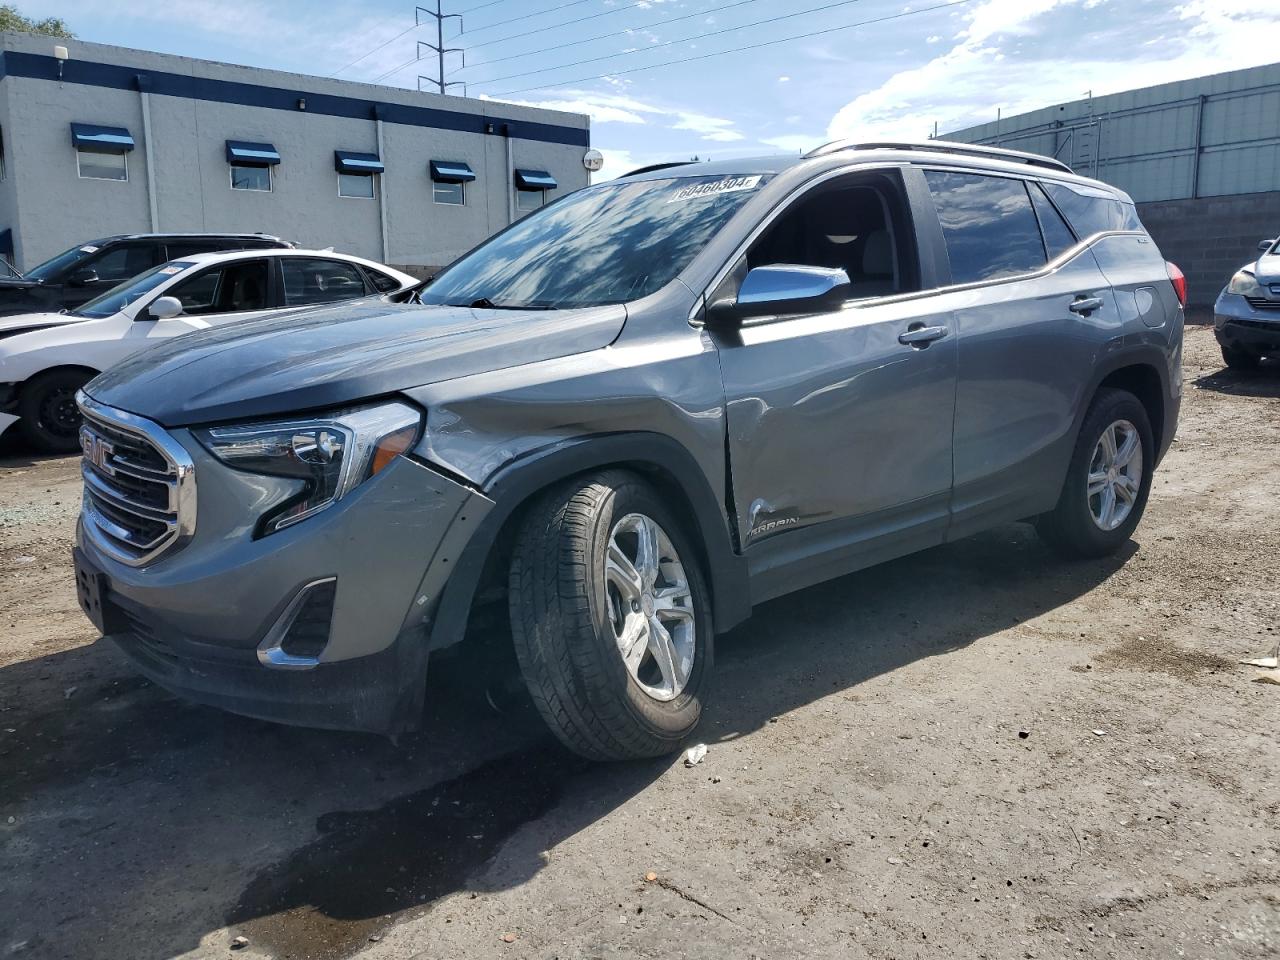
[[484, 303]]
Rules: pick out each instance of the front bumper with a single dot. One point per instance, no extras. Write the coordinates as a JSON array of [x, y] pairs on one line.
[[1239, 325], [198, 620]]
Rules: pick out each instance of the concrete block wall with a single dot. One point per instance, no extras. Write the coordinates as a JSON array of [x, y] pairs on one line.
[[1212, 237]]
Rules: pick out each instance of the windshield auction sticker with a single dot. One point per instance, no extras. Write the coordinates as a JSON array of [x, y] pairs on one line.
[[715, 187]]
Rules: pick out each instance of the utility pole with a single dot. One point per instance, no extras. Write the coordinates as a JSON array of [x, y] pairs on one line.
[[419, 15]]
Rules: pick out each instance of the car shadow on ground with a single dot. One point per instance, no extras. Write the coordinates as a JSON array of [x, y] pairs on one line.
[[1263, 382], [143, 823]]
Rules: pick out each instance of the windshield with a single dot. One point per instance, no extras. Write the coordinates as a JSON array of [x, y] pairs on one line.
[[51, 269], [607, 244], [121, 295]]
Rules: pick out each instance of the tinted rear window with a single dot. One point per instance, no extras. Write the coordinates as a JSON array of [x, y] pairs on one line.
[[1089, 213], [988, 224]]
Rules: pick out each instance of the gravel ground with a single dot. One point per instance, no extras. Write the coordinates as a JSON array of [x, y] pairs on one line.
[[979, 751]]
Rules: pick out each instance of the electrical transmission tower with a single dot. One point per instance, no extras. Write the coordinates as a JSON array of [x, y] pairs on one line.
[[422, 15]]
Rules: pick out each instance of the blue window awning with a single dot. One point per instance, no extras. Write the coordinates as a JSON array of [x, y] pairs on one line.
[[449, 171], [535, 180], [361, 164], [90, 136], [245, 154]]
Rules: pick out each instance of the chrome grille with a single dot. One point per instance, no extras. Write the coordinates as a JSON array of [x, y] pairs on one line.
[[1260, 303], [139, 485]]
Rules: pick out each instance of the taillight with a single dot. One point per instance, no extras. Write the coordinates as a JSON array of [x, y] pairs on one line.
[[1179, 281]]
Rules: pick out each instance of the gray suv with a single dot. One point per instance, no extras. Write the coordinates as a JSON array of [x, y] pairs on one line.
[[627, 419]]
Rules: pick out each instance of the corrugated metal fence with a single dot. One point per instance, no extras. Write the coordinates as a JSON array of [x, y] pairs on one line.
[[1210, 137]]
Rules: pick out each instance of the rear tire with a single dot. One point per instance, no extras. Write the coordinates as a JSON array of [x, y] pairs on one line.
[[1238, 358], [581, 590], [1104, 494], [47, 412]]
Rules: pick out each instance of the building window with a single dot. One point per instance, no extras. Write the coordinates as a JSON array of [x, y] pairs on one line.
[[529, 199], [2, 168], [356, 173], [357, 185], [452, 193], [251, 164], [449, 179], [250, 178], [532, 187], [102, 166], [101, 152]]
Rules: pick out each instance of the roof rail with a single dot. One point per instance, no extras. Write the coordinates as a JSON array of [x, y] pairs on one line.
[[943, 146]]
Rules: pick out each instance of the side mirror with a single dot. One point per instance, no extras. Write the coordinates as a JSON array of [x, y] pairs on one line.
[[1265, 245], [784, 288], [164, 308], [82, 278]]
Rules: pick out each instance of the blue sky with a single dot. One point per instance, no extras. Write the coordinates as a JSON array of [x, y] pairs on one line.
[[922, 63]]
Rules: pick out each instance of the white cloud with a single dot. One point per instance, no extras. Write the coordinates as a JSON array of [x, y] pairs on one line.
[[784, 79], [793, 142], [984, 69], [621, 108]]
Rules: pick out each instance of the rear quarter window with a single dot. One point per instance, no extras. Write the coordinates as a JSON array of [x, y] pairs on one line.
[[1090, 213]]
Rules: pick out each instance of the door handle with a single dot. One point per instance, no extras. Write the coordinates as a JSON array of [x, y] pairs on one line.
[[1085, 305], [920, 336]]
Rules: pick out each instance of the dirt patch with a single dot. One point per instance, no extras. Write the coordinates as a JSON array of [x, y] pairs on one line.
[[1161, 656]]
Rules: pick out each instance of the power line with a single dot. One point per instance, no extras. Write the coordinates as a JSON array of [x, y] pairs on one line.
[[752, 46], [617, 33], [530, 16], [559, 26], [481, 6], [375, 49], [670, 43]]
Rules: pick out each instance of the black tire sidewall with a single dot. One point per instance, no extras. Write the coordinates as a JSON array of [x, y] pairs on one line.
[[32, 398], [1111, 407], [674, 719]]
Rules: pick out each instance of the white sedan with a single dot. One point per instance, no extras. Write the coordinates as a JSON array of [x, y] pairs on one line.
[[46, 357]]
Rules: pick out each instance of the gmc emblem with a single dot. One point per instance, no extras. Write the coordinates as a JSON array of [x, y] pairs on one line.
[[97, 451]]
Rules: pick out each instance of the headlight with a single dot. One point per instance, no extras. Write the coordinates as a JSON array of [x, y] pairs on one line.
[[331, 455], [1245, 284]]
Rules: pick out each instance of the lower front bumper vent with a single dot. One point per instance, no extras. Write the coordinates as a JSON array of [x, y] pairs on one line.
[[298, 638]]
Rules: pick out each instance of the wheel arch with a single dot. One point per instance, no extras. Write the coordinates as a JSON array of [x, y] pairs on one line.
[[1142, 378], [658, 458]]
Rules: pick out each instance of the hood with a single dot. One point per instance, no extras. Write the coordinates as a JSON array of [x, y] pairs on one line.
[[1267, 269], [23, 322], [338, 355]]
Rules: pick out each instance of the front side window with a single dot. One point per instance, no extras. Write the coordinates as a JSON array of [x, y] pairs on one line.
[[309, 281], [356, 185], [122, 262], [859, 225], [250, 178], [606, 244], [449, 193], [92, 165], [119, 297], [231, 288], [989, 226]]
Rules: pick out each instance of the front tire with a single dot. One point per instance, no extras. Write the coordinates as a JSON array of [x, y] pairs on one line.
[[610, 618], [1107, 482], [1238, 358], [47, 411]]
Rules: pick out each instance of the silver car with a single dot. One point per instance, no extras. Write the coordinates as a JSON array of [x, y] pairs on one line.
[[1246, 317], [628, 419]]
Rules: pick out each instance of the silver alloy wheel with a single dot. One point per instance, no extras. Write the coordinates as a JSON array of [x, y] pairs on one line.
[[1115, 475], [650, 606]]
